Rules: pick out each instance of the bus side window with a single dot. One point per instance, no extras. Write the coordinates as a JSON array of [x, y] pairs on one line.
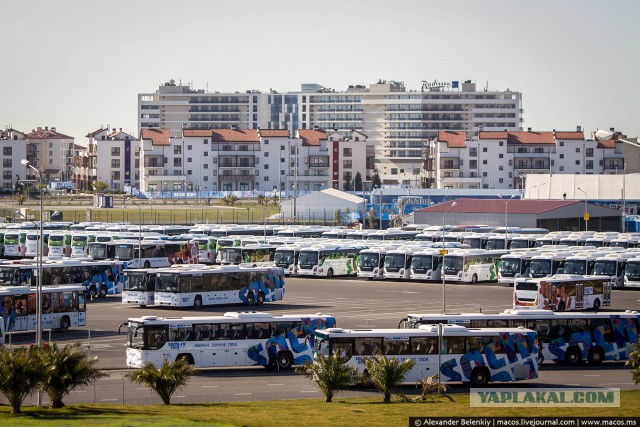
[[478, 324], [428, 345], [452, 345], [577, 325], [603, 326], [541, 327], [344, 350], [156, 337], [558, 329], [497, 323]]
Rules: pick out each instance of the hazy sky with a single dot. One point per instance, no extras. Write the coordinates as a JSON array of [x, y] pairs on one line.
[[79, 64]]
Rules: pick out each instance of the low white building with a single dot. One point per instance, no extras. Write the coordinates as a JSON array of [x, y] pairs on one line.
[[321, 205], [113, 156], [14, 149]]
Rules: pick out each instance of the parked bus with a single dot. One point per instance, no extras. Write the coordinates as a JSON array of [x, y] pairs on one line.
[[456, 353], [206, 249], [547, 264], [632, 272], [613, 265], [139, 286], [524, 241], [581, 263], [156, 253], [563, 292], [59, 244], [286, 257], [62, 307], [426, 264], [570, 337], [208, 285], [234, 339], [15, 244], [515, 265], [80, 244], [371, 262], [472, 266], [248, 256], [102, 250], [329, 261], [397, 263]]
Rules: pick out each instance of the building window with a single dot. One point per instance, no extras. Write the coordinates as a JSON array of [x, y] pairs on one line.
[[6, 163], [266, 142], [484, 162], [6, 175], [346, 164], [500, 180], [501, 143], [561, 168], [189, 159], [562, 156], [266, 166], [281, 159], [589, 152], [561, 143], [484, 149], [589, 164], [484, 174], [473, 164], [177, 162], [116, 175], [6, 151], [282, 148], [266, 154], [188, 171], [266, 179], [347, 152], [206, 166], [577, 162], [501, 168], [205, 178], [177, 149], [577, 149], [206, 141], [115, 151], [115, 163], [206, 154], [188, 147], [473, 151], [394, 171], [500, 156]]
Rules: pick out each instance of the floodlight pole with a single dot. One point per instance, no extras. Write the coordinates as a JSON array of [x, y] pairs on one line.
[[444, 252], [586, 212], [140, 206]]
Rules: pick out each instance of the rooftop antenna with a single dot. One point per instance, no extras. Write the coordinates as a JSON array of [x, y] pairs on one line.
[[486, 87]]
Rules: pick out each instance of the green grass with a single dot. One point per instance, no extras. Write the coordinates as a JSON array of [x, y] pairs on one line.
[[312, 412]]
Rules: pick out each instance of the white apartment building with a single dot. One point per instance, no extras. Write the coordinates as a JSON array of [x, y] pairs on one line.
[[14, 148], [503, 159], [399, 123], [51, 152]]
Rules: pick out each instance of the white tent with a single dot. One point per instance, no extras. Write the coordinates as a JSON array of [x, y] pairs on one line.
[[321, 205]]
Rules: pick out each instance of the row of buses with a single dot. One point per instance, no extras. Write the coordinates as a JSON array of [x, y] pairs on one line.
[[474, 347]]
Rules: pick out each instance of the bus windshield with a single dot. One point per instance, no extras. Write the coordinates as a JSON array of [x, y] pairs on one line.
[[519, 244], [526, 286], [308, 258], [103, 238], [368, 260], [633, 270], [56, 240], [284, 258], [607, 268], [575, 267], [452, 264], [135, 282], [394, 261], [79, 240], [166, 283], [540, 267], [135, 337], [422, 262], [98, 251], [495, 244], [231, 255], [510, 266], [322, 346]]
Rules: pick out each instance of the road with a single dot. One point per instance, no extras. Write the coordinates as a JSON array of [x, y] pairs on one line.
[[354, 303]]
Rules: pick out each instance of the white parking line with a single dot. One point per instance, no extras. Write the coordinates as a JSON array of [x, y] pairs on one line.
[[210, 386], [243, 394], [275, 384], [591, 375], [617, 384], [109, 400], [308, 391]]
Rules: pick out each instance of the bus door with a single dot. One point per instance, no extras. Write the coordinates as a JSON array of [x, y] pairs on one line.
[[579, 299], [21, 309], [606, 293]]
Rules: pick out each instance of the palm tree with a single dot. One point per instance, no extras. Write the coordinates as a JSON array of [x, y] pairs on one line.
[[261, 199], [66, 369], [100, 186], [20, 374], [275, 200], [431, 388], [387, 373], [330, 374], [165, 381]]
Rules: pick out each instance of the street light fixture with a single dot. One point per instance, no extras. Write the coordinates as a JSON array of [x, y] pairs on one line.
[[538, 187], [506, 204], [140, 206], [444, 252], [26, 163], [586, 212]]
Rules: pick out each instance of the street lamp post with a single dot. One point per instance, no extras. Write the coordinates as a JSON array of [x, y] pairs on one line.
[[140, 206], [586, 212], [295, 183], [506, 213], [444, 252], [39, 263], [380, 208]]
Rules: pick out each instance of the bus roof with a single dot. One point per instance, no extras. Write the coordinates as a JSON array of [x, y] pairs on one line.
[[449, 330], [519, 314], [238, 316]]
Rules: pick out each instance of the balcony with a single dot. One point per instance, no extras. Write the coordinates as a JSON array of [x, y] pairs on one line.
[[237, 177]]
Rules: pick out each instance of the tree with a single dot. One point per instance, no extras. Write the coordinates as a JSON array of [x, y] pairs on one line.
[[100, 186], [634, 362], [358, 182], [261, 199], [431, 389], [20, 374], [66, 369], [165, 381], [330, 374], [375, 181], [347, 186], [387, 373], [337, 217], [371, 218], [275, 200], [347, 216]]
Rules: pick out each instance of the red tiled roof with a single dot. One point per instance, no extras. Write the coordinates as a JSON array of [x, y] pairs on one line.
[[453, 138], [196, 132], [273, 133], [521, 137], [47, 134], [312, 136], [95, 132], [231, 135], [516, 206], [570, 135], [79, 147], [157, 136], [609, 143]]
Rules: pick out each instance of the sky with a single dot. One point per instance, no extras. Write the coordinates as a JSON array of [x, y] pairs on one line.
[[80, 64]]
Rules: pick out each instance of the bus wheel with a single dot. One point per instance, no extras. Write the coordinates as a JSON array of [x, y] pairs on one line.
[[64, 324], [93, 291], [197, 302], [330, 273], [561, 306], [186, 358], [572, 356], [261, 298], [596, 305], [480, 377], [596, 356], [251, 299], [147, 264], [103, 292], [285, 360], [474, 278]]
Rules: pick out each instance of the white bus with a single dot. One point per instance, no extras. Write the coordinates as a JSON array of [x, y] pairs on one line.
[[156, 253], [515, 265], [632, 272], [570, 337], [397, 263], [62, 307], [456, 353], [613, 265], [32, 243], [15, 243], [563, 292], [139, 286], [286, 257], [206, 249], [208, 285], [472, 266], [80, 244], [234, 339], [248, 256], [426, 264], [328, 261], [371, 262], [59, 244], [547, 264]]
